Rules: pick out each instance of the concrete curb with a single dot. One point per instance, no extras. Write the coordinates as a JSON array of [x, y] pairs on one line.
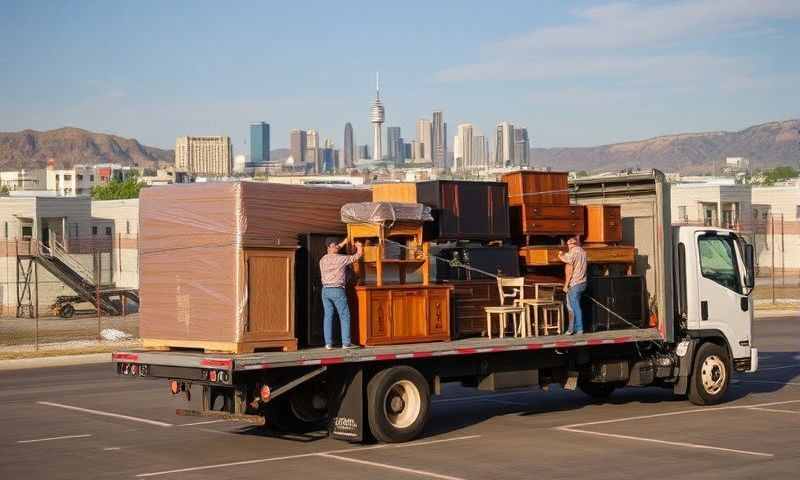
[[61, 361], [766, 314]]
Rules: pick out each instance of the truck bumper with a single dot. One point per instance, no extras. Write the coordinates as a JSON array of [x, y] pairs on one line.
[[747, 364], [753, 360]]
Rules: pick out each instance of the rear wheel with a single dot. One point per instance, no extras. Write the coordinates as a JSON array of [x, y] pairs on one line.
[[398, 404], [597, 390], [67, 311], [711, 375]]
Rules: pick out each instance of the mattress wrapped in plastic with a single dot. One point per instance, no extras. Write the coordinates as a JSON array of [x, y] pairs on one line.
[[385, 212], [191, 243]]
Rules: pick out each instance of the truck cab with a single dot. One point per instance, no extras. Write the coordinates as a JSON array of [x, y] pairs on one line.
[[714, 279]]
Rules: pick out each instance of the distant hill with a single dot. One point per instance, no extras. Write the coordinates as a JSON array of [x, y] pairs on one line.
[[68, 146], [769, 144]]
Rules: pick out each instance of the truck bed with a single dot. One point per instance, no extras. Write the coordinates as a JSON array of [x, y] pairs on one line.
[[321, 356]]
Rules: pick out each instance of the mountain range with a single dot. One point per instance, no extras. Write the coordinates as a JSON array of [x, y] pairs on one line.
[[766, 145]]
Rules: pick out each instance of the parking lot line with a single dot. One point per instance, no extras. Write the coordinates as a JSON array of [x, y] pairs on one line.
[[200, 423], [64, 437], [576, 428], [106, 414], [304, 455], [390, 467], [775, 410]]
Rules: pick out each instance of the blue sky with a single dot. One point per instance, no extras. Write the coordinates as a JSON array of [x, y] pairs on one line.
[[583, 73]]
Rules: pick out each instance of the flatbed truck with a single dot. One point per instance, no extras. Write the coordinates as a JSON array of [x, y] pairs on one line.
[[698, 284]]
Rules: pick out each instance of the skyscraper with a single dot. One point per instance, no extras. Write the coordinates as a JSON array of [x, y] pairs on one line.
[[377, 116], [259, 144], [439, 139], [425, 139], [363, 152], [480, 152], [297, 146], [463, 147], [348, 151], [504, 145], [312, 156], [394, 145], [522, 147]]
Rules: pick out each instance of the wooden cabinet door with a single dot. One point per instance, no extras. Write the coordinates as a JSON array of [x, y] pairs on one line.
[[380, 316], [438, 312], [409, 315], [498, 212], [473, 214], [270, 291]]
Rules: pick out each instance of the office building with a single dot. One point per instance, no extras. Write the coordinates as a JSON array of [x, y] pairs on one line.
[[480, 152], [377, 117], [407, 152], [348, 149], [312, 156], [504, 145], [259, 144], [425, 140], [297, 146], [462, 145], [208, 156], [363, 152], [522, 147], [394, 143], [439, 139]]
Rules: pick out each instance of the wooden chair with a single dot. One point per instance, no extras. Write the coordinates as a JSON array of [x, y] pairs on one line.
[[551, 309], [515, 310]]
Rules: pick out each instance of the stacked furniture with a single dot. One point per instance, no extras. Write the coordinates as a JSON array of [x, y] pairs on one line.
[[470, 224], [623, 295], [539, 206], [217, 262], [397, 312]]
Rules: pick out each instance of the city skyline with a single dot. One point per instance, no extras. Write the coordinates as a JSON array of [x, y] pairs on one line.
[[587, 73]]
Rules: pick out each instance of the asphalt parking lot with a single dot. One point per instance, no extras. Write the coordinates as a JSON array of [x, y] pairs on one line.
[[85, 422]]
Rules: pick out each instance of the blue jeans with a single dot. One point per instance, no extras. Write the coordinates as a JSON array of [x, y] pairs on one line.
[[574, 305], [335, 298]]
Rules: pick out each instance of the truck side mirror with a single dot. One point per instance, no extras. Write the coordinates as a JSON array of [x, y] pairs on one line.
[[749, 264]]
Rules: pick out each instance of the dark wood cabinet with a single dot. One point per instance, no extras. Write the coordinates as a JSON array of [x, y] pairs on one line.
[[493, 260], [397, 314], [469, 299], [623, 295], [465, 210], [603, 224]]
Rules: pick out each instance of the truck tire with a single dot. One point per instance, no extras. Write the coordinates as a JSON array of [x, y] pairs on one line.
[[398, 404], [596, 390], [711, 375], [283, 415], [67, 311]]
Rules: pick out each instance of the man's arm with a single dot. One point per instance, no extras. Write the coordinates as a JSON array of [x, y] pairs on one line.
[[567, 275], [354, 258]]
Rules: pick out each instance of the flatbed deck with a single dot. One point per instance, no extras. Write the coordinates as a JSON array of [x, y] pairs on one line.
[[322, 356]]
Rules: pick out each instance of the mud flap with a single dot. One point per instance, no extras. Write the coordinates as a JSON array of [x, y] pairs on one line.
[[346, 404], [685, 351]]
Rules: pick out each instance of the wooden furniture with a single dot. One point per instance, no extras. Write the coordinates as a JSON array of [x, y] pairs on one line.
[[603, 224], [403, 237], [623, 295], [545, 301], [517, 312], [544, 255], [469, 300], [465, 210], [396, 314], [206, 282], [502, 260], [403, 192], [537, 188]]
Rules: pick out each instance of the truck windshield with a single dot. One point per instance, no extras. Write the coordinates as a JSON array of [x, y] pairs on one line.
[[718, 261]]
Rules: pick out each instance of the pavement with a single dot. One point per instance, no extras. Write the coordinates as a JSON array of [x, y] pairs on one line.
[[86, 422]]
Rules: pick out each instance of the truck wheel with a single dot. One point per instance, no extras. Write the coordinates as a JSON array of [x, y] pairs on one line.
[[67, 311], [398, 404], [596, 390], [711, 375], [286, 416]]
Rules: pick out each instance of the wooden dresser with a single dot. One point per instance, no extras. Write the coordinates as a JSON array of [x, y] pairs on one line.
[[394, 314], [603, 224]]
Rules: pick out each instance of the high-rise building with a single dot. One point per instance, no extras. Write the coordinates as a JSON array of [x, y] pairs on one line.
[[363, 152], [259, 144], [425, 139], [407, 155], [480, 152], [394, 144], [328, 158], [312, 151], [439, 139], [377, 116], [504, 145], [348, 151], [522, 147], [463, 145], [297, 146], [211, 156]]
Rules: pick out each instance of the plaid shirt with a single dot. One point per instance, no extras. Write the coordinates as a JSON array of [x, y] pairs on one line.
[[333, 268]]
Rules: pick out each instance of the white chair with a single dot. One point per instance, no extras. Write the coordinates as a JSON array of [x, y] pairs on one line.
[[516, 311]]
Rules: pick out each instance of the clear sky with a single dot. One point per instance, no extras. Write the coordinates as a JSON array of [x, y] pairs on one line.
[[574, 73]]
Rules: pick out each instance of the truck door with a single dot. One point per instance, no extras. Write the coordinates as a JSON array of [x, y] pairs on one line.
[[724, 304]]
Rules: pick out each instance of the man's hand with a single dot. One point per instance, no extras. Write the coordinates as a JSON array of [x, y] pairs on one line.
[[359, 246], [343, 243], [566, 288]]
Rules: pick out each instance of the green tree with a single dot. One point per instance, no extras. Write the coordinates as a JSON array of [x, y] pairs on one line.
[[116, 190], [778, 174]]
